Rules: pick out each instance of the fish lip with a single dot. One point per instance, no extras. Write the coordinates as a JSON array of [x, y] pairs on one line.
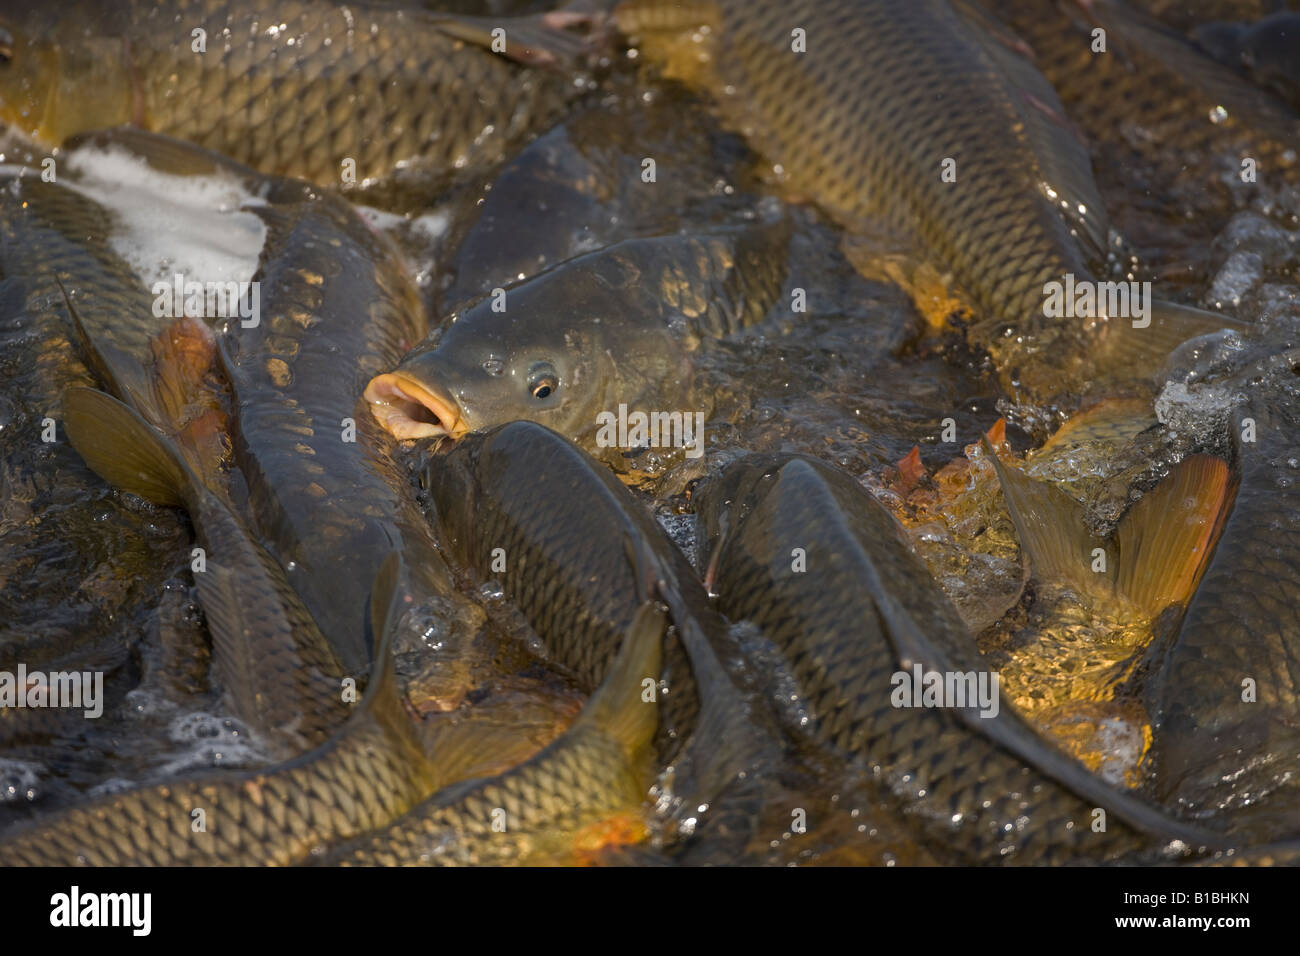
[[396, 402]]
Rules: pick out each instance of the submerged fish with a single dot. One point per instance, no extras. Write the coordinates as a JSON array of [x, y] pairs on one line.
[[1153, 100], [922, 120], [979, 783], [271, 658], [1268, 49], [320, 90], [572, 548], [1100, 601], [600, 767], [1224, 689], [371, 771], [335, 306], [612, 328]]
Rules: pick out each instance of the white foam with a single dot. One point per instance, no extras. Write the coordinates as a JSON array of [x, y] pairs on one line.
[[198, 226]]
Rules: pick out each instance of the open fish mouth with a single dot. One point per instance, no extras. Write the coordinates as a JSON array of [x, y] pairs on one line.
[[407, 409]]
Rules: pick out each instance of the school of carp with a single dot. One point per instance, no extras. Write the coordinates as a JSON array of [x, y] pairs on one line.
[[644, 432]]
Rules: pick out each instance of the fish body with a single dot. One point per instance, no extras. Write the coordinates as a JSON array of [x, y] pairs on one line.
[[1223, 692], [924, 121], [335, 305], [568, 544], [367, 774], [598, 768], [55, 240], [1153, 99], [1266, 50], [864, 609], [612, 328], [272, 659], [330, 92]]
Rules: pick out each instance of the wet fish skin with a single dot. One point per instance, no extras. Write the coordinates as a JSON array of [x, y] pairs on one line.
[[1212, 749], [54, 240], [578, 550], [866, 609], [276, 666], [337, 306], [1136, 102], [598, 768], [612, 327], [864, 122], [1266, 49], [294, 88], [369, 773]]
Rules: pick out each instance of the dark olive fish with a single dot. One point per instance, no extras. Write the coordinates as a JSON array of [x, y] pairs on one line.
[[53, 248], [1224, 693], [870, 107], [366, 775], [572, 548], [55, 241], [1268, 50], [982, 785], [270, 657], [336, 306], [614, 327], [297, 88], [599, 768], [1153, 99]]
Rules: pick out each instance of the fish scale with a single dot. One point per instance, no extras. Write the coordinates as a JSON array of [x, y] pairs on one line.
[[580, 554], [588, 772], [52, 235], [355, 783], [863, 122], [864, 608], [293, 88], [337, 305], [590, 775], [371, 771], [1242, 623]]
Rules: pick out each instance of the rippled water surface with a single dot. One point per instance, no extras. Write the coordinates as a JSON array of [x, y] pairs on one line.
[[93, 579]]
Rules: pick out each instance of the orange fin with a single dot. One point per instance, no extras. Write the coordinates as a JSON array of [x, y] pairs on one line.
[[1054, 537], [1165, 540]]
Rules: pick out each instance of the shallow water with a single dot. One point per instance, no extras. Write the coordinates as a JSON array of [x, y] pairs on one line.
[[97, 580]]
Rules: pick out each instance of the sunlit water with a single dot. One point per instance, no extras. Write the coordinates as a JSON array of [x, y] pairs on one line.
[[95, 580]]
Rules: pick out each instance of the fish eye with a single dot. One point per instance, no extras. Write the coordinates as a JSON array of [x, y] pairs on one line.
[[6, 46], [542, 381]]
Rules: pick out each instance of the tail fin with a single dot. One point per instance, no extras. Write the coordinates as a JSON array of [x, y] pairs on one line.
[[1140, 352], [1053, 534], [1165, 539], [382, 697], [538, 40], [124, 449], [617, 707], [1158, 551]]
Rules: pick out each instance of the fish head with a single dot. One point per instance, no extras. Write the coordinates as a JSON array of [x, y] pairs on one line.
[[552, 356], [61, 74]]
